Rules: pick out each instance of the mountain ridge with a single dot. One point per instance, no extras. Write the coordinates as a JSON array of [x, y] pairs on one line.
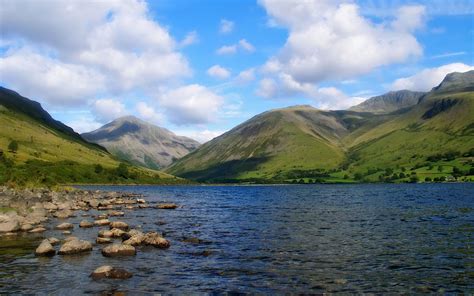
[[140, 142]]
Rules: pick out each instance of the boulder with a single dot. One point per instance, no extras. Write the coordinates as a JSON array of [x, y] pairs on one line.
[[110, 272], [45, 249], [167, 206], [70, 238], [102, 222], [86, 224], [135, 240], [75, 247], [118, 250], [9, 222], [119, 225], [65, 226], [105, 233], [117, 232], [26, 227], [103, 240], [116, 213], [141, 201], [156, 240], [53, 241], [64, 214], [37, 230], [66, 232]]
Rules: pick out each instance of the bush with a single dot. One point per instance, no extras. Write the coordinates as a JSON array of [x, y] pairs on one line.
[[427, 179], [13, 146], [98, 169], [122, 171]]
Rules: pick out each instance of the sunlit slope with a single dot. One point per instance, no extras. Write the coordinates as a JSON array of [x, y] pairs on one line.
[[265, 146], [440, 123]]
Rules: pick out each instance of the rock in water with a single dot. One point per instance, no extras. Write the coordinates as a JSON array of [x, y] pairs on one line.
[[45, 249], [53, 240], [167, 206], [156, 240], [103, 240], [118, 250], [119, 225], [86, 224], [65, 226], [37, 230], [26, 227], [74, 247], [102, 222], [9, 223], [110, 272]]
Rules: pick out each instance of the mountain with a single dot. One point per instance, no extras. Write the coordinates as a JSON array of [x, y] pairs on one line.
[[389, 102], [304, 143], [49, 151], [141, 143]]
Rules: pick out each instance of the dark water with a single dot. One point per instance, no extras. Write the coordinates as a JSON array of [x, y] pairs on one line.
[[276, 239]]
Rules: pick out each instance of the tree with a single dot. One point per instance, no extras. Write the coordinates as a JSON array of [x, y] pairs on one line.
[[427, 179], [122, 170], [13, 146], [440, 168], [98, 169]]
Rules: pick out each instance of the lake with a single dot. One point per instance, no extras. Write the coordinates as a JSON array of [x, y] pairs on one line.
[[368, 238]]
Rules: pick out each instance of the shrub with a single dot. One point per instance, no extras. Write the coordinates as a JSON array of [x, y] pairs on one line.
[[13, 146]]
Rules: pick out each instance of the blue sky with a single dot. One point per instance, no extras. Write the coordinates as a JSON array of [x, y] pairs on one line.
[[199, 68]]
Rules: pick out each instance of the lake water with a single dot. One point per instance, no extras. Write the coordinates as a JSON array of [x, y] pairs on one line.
[[274, 239]]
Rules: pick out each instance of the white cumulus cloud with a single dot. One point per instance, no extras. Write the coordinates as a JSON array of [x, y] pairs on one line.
[[217, 71], [227, 49], [226, 26], [332, 40], [426, 79], [106, 110], [191, 104]]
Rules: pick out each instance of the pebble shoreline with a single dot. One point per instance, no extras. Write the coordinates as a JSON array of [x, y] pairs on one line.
[[25, 211]]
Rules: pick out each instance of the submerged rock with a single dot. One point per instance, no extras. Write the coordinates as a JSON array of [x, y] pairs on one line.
[[119, 250], [75, 246], [156, 240], [64, 214], [37, 230], [65, 226], [167, 206], [86, 224], [102, 222], [119, 225], [110, 272], [103, 240]]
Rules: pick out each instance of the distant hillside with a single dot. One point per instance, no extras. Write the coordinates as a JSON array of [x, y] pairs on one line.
[[389, 102], [141, 143], [430, 138], [50, 152]]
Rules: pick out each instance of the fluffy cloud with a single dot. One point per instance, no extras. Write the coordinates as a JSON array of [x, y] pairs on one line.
[[327, 98], [191, 38], [227, 49], [148, 113], [83, 124], [245, 45], [49, 80], [191, 104], [201, 136], [428, 78], [217, 71], [332, 40], [106, 110], [226, 26], [231, 49], [114, 40], [246, 76]]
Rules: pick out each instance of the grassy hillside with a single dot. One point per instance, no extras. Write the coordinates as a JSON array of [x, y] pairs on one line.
[[48, 155], [433, 139]]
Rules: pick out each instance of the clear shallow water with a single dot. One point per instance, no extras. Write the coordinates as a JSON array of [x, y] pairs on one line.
[[275, 239]]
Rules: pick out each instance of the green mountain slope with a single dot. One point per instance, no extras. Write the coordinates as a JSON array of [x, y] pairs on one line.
[[305, 143], [51, 152], [389, 102]]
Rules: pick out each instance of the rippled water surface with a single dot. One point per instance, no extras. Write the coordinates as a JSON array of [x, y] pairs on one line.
[[274, 239]]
